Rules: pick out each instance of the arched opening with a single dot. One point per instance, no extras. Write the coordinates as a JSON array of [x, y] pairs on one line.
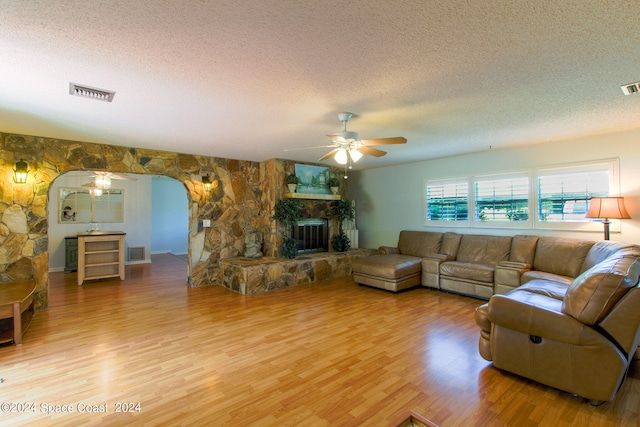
[[142, 206]]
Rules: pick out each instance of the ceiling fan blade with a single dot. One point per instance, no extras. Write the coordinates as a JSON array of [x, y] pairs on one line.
[[309, 148], [385, 141], [122, 177], [371, 151], [329, 154]]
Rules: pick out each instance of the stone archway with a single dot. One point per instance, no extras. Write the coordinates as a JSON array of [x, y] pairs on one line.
[[237, 199]]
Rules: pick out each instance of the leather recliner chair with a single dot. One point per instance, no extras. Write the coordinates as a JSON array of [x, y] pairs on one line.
[[579, 338]]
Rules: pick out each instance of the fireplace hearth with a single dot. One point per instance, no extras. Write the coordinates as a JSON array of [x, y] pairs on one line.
[[312, 235]]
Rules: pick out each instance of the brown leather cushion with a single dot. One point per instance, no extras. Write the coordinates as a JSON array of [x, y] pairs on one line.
[[527, 276], [602, 250], [419, 243], [391, 266], [592, 294], [484, 249], [553, 290], [468, 270], [523, 248], [561, 255]]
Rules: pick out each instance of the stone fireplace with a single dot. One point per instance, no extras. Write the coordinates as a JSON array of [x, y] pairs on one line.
[[312, 235]]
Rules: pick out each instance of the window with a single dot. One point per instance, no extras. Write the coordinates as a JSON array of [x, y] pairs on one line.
[[552, 197], [501, 198], [447, 200], [563, 193]]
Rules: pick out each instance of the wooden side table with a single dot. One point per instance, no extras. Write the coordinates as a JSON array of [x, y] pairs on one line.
[[16, 309]]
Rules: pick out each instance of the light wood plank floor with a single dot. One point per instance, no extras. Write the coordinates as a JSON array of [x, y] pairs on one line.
[[326, 354]]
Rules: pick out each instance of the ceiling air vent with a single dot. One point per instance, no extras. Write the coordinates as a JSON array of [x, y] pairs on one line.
[[630, 88], [91, 92]]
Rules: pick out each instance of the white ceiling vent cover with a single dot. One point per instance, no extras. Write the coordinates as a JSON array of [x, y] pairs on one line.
[[91, 92]]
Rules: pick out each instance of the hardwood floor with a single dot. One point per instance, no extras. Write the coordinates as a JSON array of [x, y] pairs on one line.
[[326, 354]]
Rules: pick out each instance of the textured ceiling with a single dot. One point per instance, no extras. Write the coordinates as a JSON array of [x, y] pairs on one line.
[[245, 79]]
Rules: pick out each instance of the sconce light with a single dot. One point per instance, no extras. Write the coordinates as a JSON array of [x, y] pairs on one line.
[[607, 208], [206, 182], [20, 173]]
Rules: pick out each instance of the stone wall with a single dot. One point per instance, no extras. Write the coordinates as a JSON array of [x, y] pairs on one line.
[[243, 194]]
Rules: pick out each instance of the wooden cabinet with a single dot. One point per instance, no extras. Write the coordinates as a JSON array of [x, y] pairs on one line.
[[100, 255], [70, 254]]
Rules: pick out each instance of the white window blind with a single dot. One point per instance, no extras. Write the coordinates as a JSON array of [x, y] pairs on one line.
[[502, 199], [447, 200], [564, 196]]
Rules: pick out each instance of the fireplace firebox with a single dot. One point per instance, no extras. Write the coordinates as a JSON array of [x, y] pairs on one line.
[[312, 235]]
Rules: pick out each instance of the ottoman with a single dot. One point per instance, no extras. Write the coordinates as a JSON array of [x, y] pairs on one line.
[[392, 272]]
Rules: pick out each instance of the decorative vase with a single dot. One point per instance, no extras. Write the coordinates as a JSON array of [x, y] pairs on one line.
[[292, 187], [334, 190]]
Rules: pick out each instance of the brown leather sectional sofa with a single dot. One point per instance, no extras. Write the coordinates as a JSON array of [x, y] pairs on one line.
[[563, 312]]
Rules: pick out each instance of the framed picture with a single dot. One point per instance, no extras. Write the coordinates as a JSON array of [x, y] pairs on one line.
[[313, 179]]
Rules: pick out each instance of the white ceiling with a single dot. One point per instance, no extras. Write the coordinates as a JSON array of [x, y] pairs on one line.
[[246, 79]]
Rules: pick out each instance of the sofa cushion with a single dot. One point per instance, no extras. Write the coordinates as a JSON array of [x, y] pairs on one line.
[[527, 276], [419, 243], [391, 266], [484, 249], [450, 244], [468, 270], [553, 290], [597, 290], [561, 255], [523, 248], [600, 251]]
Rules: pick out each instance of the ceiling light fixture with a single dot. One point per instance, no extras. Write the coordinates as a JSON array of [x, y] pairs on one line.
[[341, 156], [103, 181], [91, 92]]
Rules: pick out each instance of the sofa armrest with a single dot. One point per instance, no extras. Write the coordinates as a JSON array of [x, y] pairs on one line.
[[536, 315], [388, 250], [431, 270], [507, 276]]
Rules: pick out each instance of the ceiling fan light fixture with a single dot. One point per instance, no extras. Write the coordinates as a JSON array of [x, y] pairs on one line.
[[103, 182], [341, 156], [355, 154]]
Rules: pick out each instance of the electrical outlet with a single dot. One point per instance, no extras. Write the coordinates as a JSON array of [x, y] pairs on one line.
[[206, 223]]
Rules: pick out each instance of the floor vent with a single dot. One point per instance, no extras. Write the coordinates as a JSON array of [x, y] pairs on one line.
[[91, 92], [136, 253]]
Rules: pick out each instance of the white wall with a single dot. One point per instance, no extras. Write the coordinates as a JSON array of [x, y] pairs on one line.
[[170, 219], [137, 214], [390, 199]]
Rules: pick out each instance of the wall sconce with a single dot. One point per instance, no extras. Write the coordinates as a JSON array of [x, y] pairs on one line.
[[607, 208], [206, 182], [20, 173]]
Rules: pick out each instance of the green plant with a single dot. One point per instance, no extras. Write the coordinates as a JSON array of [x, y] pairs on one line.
[[291, 179], [289, 247], [288, 212], [334, 182], [341, 210], [341, 242]]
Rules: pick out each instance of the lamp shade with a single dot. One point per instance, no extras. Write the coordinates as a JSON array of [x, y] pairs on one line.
[[355, 154], [341, 156], [607, 207]]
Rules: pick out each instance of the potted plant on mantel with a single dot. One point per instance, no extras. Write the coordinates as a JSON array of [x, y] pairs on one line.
[[334, 184], [288, 212], [341, 210], [292, 182]]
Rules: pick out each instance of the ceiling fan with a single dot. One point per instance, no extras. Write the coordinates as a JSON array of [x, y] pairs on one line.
[[347, 145], [102, 180]]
